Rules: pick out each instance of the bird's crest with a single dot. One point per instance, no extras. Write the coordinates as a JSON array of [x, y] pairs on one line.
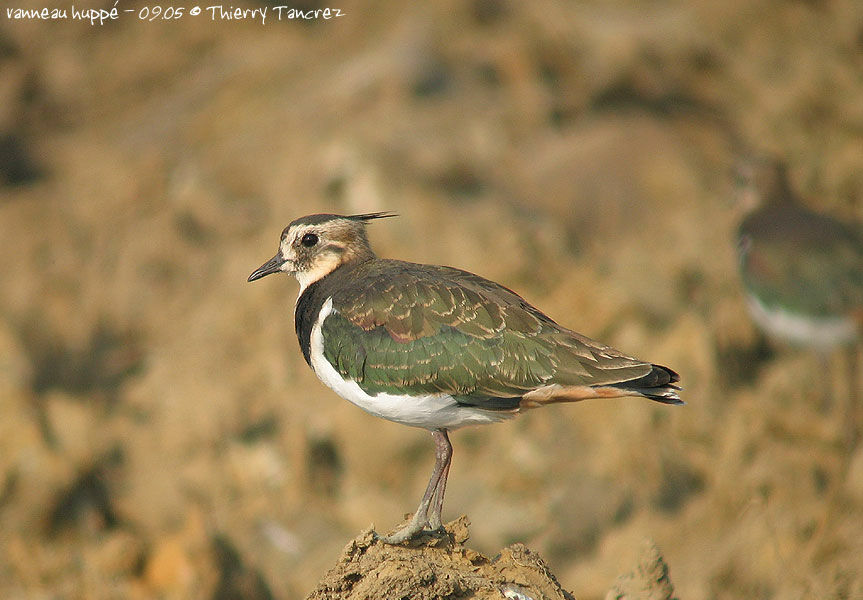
[[366, 217]]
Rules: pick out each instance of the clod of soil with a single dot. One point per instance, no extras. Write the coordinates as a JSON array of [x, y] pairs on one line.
[[437, 567], [648, 581]]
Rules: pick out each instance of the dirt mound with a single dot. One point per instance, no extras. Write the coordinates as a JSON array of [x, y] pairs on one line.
[[435, 567]]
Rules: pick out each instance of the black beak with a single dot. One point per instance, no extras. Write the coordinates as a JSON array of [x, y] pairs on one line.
[[274, 265]]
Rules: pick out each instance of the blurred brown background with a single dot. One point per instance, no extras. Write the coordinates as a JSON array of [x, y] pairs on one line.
[[160, 434]]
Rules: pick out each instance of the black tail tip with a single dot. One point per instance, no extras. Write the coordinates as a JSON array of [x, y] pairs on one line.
[[668, 395], [664, 390]]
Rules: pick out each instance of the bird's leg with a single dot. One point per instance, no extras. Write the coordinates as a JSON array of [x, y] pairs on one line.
[[826, 401], [851, 437], [443, 455], [852, 407], [442, 445]]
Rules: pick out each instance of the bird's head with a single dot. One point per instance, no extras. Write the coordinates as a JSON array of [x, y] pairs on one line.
[[314, 246], [762, 180]]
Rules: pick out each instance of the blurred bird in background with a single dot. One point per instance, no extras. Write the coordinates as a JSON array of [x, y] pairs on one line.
[[802, 273]]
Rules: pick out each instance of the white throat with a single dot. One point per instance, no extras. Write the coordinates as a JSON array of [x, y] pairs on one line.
[[323, 267]]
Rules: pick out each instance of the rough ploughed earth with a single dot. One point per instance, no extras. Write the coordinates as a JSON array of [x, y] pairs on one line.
[[160, 433]]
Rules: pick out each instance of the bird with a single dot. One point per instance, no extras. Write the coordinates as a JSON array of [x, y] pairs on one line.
[[802, 271], [436, 347]]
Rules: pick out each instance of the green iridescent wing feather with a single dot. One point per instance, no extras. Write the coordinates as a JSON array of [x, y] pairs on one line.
[[804, 262], [419, 329], [820, 281]]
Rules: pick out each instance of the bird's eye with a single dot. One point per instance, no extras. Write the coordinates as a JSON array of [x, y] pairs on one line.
[[309, 240]]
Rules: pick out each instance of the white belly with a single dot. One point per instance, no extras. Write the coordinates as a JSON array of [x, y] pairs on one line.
[[821, 333], [431, 411]]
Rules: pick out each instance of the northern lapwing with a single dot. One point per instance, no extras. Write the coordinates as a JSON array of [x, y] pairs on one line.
[[802, 272], [437, 347]]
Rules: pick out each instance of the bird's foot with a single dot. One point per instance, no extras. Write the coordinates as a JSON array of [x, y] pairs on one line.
[[405, 534], [413, 529]]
